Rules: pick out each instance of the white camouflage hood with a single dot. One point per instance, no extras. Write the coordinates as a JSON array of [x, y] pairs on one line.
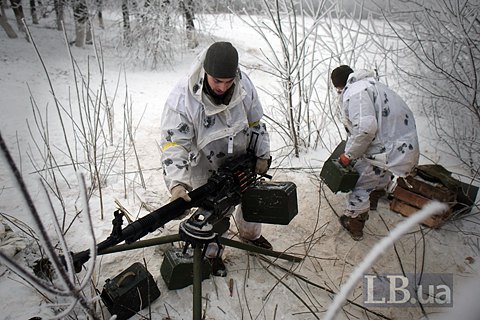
[[196, 80]]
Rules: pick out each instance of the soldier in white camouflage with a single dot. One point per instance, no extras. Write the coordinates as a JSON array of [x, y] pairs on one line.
[[382, 140], [209, 116]]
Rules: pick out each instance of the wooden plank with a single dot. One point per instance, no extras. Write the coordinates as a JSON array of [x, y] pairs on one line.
[[430, 191], [414, 199], [407, 210]]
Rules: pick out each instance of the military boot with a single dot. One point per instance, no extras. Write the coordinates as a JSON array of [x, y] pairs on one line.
[[375, 195], [218, 267], [354, 226]]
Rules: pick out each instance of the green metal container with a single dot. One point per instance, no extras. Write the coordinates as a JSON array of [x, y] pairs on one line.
[[270, 202], [177, 268], [129, 292], [337, 177]]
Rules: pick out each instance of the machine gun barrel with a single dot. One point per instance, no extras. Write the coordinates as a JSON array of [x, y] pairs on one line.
[[162, 215], [149, 223]]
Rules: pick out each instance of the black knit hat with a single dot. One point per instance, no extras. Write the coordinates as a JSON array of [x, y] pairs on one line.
[[340, 75], [221, 60]]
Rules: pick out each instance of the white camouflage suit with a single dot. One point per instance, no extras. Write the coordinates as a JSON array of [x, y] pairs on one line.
[[382, 137], [197, 135]]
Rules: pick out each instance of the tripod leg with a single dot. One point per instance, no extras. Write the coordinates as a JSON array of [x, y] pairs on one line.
[[197, 282], [252, 248]]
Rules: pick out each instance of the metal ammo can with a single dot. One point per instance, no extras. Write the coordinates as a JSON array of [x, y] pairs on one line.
[[177, 268], [129, 292], [337, 177], [270, 202]]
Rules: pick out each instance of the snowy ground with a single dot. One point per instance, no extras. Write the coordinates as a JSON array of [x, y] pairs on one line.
[[282, 290]]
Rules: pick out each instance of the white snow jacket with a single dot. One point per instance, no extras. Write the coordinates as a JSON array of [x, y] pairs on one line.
[[197, 136], [381, 128]]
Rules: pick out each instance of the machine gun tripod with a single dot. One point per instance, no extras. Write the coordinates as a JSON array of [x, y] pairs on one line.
[[234, 183], [198, 233]]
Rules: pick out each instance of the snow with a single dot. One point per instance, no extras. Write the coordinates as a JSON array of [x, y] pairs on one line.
[[262, 290]]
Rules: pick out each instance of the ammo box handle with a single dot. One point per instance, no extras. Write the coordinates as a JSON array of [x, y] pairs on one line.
[[124, 277]]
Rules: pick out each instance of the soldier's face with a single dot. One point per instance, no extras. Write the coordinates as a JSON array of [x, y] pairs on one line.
[[219, 85]]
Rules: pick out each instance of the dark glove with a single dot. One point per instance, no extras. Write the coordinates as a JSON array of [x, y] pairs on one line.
[[261, 166], [344, 160]]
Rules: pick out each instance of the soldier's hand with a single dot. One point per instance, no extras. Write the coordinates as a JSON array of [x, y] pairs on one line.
[[344, 160], [179, 191], [261, 166]]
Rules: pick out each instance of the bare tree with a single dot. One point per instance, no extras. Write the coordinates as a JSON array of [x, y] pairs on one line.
[[99, 5], [305, 40], [189, 13], [59, 12], [126, 22], [294, 65], [18, 11], [83, 30], [444, 40], [33, 12], [4, 23]]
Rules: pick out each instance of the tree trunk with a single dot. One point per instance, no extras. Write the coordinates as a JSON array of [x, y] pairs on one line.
[[80, 14], [126, 22], [33, 12], [189, 12], [5, 25], [99, 13], [59, 4], [18, 11]]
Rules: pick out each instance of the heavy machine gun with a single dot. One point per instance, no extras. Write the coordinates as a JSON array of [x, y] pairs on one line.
[[233, 183], [222, 191]]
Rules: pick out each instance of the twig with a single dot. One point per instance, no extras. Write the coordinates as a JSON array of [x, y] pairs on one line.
[[52, 91], [293, 292], [429, 210]]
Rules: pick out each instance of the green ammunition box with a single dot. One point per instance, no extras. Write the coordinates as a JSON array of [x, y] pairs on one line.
[[177, 268], [337, 177], [270, 202], [129, 292]]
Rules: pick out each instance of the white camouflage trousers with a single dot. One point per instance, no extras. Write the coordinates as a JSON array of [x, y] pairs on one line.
[[371, 178]]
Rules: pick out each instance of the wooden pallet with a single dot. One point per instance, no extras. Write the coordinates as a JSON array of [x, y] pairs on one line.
[[430, 190], [413, 194]]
